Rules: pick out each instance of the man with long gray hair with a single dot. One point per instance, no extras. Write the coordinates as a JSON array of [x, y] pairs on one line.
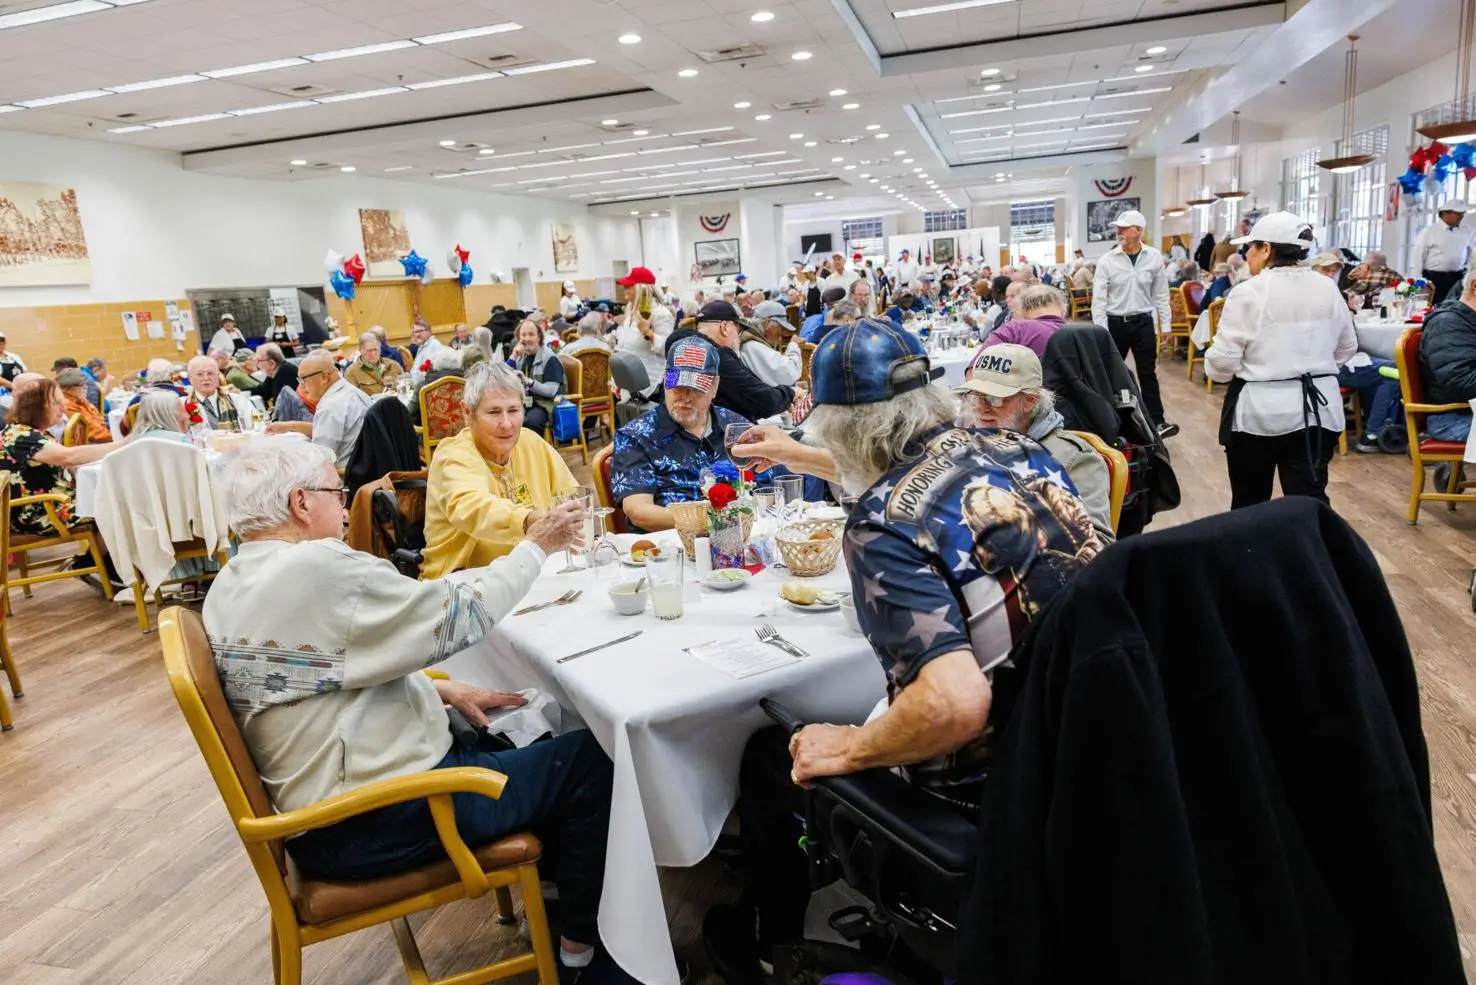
[[958, 540], [361, 711]]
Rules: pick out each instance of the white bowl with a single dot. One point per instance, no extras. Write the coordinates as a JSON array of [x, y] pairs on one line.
[[733, 578], [627, 602], [848, 609]]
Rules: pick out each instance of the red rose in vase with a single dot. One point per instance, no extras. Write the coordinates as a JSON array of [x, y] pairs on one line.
[[721, 495], [425, 366]]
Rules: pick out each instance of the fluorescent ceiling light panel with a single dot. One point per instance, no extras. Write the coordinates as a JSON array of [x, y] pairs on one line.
[[363, 49], [728, 143], [977, 112], [767, 153], [1140, 92], [349, 97], [274, 107], [548, 66], [1053, 102], [1118, 112], [70, 97], [229, 73], [631, 140], [173, 80], [981, 95], [186, 120], [471, 32], [693, 133], [560, 150], [402, 167], [11, 109], [52, 13], [133, 129], [458, 80], [943, 8], [1114, 123]]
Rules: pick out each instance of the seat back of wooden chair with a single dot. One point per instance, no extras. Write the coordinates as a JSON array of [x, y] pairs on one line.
[[1216, 308], [130, 418], [1178, 310], [1117, 472], [4, 531], [600, 468], [75, 433], [442, 413], [795, 316], [1193, 296], [1411, 383], [190, 663], [595, 371], [807, 352], [573, 376]]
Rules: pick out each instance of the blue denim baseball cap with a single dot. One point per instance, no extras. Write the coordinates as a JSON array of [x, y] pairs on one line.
[[692, 362], [867, 362]]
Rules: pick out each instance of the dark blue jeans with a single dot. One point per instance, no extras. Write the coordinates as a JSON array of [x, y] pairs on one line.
[[1376, 394], [559, 789]]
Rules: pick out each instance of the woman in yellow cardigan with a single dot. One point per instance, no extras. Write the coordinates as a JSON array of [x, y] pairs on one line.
[[488, 483]]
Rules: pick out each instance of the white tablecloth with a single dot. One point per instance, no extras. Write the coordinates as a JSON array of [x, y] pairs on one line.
[[115, 413], [954, 362], [1200, 336], [673, 726], [1378, 338], [86, 479]]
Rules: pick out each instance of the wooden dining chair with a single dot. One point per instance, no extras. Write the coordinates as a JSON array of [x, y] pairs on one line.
[[1430, 450], [1117, 472], [7, 660], [596, 398], [442, 413], [1181, 325], [1081, 305], [1216, 308], [83, 535], [600, 469], [130, 417], [75, 433], [306, 911], [807, 352]]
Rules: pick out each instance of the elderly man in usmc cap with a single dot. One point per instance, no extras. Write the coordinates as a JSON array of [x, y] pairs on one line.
[[1129, 289], [958, 540]]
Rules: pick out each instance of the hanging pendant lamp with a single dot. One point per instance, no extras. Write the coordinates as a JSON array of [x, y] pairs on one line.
[[1236, 192], [1348, 163], [1458, 120]]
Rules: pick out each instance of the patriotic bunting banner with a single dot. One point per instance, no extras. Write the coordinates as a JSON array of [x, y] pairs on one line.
[[715, 223], [1114, 187]]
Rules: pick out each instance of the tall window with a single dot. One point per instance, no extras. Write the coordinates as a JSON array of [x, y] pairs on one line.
[[1299, 176], [863, 236], [1033, 230], [1358, 198], [945, 222]]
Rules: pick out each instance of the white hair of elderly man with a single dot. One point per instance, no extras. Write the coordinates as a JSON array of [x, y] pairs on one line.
[[258, 484]]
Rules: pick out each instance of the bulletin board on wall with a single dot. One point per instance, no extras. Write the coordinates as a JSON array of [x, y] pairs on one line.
[[442, 303]]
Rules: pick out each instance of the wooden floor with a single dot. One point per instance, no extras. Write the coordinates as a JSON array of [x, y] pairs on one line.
[[117, 866]]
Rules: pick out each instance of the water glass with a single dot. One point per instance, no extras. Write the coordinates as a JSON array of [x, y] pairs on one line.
[[791, 492], [664, 578], [603, 555], [765, 498], [584, 496]]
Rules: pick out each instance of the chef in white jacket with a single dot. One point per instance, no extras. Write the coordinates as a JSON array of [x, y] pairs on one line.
[[1282, 336]]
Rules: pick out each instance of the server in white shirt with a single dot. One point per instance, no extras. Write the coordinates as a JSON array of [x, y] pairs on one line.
[[1442, 248], [904, 272], [1282, 336], [1129, 289], [227, 338]]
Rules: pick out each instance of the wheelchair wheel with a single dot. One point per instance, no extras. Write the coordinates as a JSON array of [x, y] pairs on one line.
[[1441, 477], [1394, 439]]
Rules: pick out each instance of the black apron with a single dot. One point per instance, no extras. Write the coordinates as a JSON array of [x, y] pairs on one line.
[[1312, 399]]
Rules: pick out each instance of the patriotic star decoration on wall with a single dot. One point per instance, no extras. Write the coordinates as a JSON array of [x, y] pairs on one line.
[[1114, 187]]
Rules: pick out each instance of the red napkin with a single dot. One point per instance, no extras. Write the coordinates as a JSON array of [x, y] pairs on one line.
[[753, 569]]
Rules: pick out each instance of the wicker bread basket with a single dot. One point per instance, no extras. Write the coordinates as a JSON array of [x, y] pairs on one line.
[[691, 523], [805, 557]]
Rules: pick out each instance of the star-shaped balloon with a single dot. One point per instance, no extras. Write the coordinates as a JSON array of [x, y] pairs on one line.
[[1464, 155], [465, 255], [464, 275], [343, 285], [354, 267], [414, 264]]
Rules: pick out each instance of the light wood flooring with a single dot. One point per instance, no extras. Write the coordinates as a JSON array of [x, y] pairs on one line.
[[118, 867]]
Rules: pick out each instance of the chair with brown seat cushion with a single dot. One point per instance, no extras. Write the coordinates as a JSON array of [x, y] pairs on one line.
[[1421, 453], [1193, 297], [303, 911], [596, 399], [1181, 325]]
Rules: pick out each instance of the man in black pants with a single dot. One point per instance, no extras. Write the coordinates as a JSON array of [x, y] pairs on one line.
[[1129, 289], [1442, 248]]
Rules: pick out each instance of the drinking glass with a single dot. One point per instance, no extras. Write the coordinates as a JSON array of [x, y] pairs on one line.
[[664, 576], [604, 554], [584, 496], [732, 435], [791, 493], [765, 498]]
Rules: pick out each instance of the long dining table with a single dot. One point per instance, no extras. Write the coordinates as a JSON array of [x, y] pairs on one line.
[[673, 725]]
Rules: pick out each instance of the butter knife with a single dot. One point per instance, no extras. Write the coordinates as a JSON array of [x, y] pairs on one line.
[[601, 646]]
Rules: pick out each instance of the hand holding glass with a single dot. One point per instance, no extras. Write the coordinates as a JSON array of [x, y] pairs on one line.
[[583, 496]]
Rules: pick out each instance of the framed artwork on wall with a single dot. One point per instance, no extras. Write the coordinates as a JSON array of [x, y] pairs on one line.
[[1101, 215], [386, 239], [718, 257], [943, 250], [566, 250], [41, 241]]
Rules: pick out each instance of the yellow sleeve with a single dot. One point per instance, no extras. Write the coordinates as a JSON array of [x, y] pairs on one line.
[[559, 476], [470, 500]]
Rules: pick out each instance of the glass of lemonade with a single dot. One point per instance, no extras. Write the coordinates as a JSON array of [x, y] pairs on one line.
[[664, 573]]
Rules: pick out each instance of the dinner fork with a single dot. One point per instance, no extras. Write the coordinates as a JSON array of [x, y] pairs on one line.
[[564, 599], [768, 634]]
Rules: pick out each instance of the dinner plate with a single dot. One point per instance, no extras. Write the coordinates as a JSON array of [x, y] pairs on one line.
[[717, 584], [826, 603]]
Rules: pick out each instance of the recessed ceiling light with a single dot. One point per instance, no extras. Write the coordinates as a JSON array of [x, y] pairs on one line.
[[882, 136], [761, 117], [849, 167], [762, 17], [837, 92], [1157, 49], [609, 123], [487, 150], [863, 174], [873, 126], [992, 87], [655, 214], [364, 49], [448, 143], [299, 164], [800, 56], [922, 174], [402, 167], [851, 106], [917, 170], [227, 73], [898, 153], [348, 169], [830, 198], [629, 39], [743, 105], [809, 143], [873, 180], [796, 136], [636, 212], [819, 194], [906, 160], [1143, 68], [687, 73]]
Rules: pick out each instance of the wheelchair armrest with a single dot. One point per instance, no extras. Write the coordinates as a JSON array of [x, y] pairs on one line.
[[917, 822]]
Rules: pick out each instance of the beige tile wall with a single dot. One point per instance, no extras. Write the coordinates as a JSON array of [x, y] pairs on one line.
[[40, 335]]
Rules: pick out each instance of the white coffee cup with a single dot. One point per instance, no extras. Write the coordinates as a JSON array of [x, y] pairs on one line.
[[848, 609]]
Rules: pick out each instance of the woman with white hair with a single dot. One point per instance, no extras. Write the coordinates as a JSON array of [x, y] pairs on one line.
[[162, 417], [361, 710], [644, 329], [491, 482]]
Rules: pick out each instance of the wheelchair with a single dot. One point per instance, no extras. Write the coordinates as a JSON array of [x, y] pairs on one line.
[[910, 855]]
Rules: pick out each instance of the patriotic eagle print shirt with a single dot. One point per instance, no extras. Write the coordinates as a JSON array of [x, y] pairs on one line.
[[959, 548]]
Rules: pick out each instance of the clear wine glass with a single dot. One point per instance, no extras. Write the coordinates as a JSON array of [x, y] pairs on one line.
[[732, 438], [584, 496], [604, 552]]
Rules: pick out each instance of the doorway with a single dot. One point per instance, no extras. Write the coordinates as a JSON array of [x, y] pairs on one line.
[[527, 298]]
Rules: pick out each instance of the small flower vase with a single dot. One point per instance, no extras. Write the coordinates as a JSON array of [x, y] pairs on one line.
[[725, 532]]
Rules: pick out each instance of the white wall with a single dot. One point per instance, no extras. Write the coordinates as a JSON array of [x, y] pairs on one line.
[[1081, 190], [661, 254], [793, 231], [760, 242], [690, 232], [154, 230]]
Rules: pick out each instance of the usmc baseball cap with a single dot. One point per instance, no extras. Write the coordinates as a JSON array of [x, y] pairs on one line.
[[867, 362], [1003, 371], [692, 362]]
